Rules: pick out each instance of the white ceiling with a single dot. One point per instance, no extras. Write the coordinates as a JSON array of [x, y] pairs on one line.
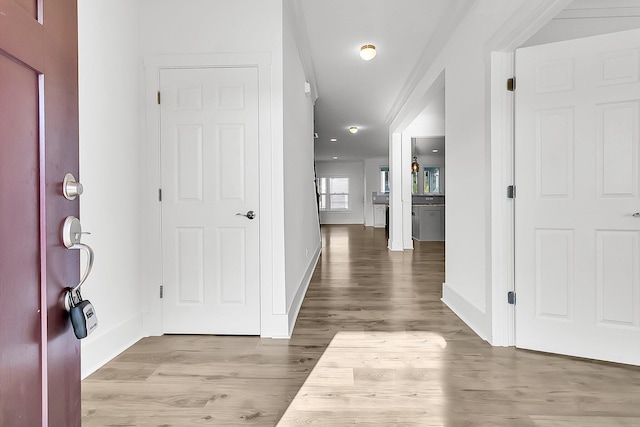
[[353, 92], [584, 18]]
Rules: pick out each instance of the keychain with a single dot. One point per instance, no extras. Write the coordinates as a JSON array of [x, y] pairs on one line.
[[83, 316]]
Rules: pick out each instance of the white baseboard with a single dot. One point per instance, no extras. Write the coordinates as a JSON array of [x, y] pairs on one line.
[[340, 221], [98, 350], [477, 320], [279, 327], [294, 309]]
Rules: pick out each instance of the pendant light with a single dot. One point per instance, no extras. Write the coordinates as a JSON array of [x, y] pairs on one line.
[[415, 167]]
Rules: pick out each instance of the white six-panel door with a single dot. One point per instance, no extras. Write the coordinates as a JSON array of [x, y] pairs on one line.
[[209, 155], [577, 177]]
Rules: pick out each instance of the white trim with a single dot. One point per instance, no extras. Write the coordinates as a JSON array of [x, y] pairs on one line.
[[407, 196], [197, 60], [152, 255], [502, 219], [527, 21], [96, 353], [524, 24], [395, 193], [294, 308], [338, 221], [151, 227], [467, 312]]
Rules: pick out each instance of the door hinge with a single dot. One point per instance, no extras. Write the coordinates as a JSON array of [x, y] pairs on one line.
[[511, 85], [158, 97], [159, 194], [511, 192], [161, 291], [511, 297]]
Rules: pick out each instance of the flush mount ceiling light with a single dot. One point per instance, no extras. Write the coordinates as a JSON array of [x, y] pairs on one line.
[[334, 140], [335, 157], [353, 129], [368, 52], [434, 151]]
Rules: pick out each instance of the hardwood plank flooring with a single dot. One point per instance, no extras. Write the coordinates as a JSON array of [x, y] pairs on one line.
[[373, 346]]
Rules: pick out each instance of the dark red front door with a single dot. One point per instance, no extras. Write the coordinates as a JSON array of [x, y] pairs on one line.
[[39, 355]]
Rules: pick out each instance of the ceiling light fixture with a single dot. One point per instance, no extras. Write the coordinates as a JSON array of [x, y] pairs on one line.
[[353, 129], [333, 140], [368, 52], [434, 150], [335, 157]]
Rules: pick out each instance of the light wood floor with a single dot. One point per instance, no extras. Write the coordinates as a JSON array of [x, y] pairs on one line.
[[398, 357]]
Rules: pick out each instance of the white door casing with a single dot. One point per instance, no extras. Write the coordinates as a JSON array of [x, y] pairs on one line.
[[576, 171], [209, 162]]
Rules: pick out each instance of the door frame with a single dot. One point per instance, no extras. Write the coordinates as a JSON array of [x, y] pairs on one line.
[[502, 125], [151, 226]]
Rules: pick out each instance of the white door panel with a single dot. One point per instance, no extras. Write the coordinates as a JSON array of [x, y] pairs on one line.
[[577, 157], [209, 138]]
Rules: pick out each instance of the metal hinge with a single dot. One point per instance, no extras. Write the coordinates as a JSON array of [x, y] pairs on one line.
[[511, 297], [158, 97], [511, 84], [161, 291], [159, 194], [511, 192]]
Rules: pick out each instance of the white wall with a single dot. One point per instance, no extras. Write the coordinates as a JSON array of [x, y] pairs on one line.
[[302, 228], [120, 170], [109, 69], [465, 60], [355, 172], [204, 26], [372, 183], [250, 29]]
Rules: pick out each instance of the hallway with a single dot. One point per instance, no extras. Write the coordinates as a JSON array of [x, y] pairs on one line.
[[359, 289]]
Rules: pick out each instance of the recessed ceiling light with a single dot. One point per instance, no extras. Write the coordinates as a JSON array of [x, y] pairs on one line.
[[335, 157], [368, 52], [353, 129], [333, 140], [435, 151]]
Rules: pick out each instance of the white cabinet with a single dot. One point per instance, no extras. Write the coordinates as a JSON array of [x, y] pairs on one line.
[[379, 216], [428, 223]]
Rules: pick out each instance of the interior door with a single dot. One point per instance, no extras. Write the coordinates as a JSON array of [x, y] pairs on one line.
[[39, 354], [577, 159], [209, 150]]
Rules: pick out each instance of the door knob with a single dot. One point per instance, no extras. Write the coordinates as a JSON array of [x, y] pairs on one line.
[[250, 214], [70, 187]]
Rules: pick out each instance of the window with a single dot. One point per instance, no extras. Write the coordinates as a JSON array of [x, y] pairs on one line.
[[431, 180], [334, 193], [414, 182], [384, 179]]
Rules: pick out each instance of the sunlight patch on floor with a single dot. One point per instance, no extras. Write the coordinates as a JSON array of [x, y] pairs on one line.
[[382, 378]]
